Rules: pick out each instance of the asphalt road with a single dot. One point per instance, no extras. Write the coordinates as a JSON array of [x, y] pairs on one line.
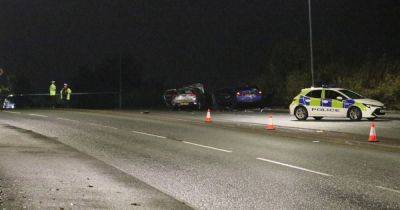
[[216, 166], [387, 126]]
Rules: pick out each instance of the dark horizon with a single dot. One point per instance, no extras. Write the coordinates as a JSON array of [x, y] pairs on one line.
[[165, 44]]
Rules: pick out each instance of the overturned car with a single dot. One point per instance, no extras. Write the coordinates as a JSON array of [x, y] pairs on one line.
[[191, 96]]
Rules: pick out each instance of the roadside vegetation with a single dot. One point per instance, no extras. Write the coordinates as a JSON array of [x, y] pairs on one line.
[[286, 72]]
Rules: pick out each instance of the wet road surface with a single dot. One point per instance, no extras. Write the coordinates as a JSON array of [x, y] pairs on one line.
[[223, 167]]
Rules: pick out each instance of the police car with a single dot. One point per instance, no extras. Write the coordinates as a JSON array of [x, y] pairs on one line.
[[334, 102]]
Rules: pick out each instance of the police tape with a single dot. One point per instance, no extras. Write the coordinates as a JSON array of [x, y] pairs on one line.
[[47, 94]]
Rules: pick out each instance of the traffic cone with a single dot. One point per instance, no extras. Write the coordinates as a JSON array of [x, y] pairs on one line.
[[208, 117], [372, 134], [270, 125]]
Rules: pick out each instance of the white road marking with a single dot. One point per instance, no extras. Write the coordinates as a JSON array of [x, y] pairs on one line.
[[214, 148], [66, 119], [385, 188], [296, 167], [106, 126], [94, 124], [12, 112], [103, 126], [37, 115], [149, 134]]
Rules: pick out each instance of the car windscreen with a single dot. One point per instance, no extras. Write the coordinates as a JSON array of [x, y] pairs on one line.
[[169, 92], [251, 90], [351, 94], [185, 91]]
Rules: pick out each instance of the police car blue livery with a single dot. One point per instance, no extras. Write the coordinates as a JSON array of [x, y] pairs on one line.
[[334, 102]]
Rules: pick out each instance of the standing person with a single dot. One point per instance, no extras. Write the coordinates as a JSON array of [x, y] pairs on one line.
[[52, 94], [65, 95]]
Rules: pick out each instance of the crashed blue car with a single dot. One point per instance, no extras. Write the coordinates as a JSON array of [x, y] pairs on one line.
[[240, 97]]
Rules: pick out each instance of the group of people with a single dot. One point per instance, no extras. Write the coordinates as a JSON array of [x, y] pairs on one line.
[[65, 95]]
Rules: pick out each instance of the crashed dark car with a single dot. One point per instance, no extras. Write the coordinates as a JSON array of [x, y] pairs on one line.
[[168, 96], [8, 102], [239, 97]]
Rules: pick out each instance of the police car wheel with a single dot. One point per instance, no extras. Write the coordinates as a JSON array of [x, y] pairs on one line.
[[318, 118], [355, 113], [301, 113]]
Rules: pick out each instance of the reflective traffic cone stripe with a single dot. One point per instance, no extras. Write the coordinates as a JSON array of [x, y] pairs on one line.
[[270, 125], [208, 117], [372, 134]]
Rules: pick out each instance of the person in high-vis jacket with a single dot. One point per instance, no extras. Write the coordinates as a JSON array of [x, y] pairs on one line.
[[52, 94], [65, 95]]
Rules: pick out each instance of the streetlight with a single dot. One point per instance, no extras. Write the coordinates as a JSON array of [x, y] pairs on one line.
[[311, 43], [120, 81]]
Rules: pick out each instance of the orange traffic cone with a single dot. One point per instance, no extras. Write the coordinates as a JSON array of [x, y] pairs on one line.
[[270, 125], [208, 117], [372, 134]]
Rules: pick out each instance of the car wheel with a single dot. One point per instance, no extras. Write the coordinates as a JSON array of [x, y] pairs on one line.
[[199, 106], [318, 118], [371, 118], [355, 114], [233, 106], [301, 113]]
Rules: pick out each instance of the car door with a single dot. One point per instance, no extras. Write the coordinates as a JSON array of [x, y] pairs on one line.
[[312, 101], [333, 103]]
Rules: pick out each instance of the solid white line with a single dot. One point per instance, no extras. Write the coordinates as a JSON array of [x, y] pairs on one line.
[[37, 115], [385, 188], [149, 134], [296, 167], [13, 112], [223, 150]]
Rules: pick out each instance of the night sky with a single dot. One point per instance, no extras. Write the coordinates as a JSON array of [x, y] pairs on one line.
[[218, 42]]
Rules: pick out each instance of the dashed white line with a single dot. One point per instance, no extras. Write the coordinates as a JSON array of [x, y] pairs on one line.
[[106, 126], [389, 189], [94, 124], [103, 126], [292, 166], [149, 134], [12, 112], [199, 145], [66, 119], [37, 115]]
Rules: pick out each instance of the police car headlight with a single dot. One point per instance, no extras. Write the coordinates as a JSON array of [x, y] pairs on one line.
[[367, 105], [370, 105]]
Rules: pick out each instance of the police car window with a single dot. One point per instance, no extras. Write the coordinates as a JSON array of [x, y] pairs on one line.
[[352, 94], [314, 94], [330, 94]]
